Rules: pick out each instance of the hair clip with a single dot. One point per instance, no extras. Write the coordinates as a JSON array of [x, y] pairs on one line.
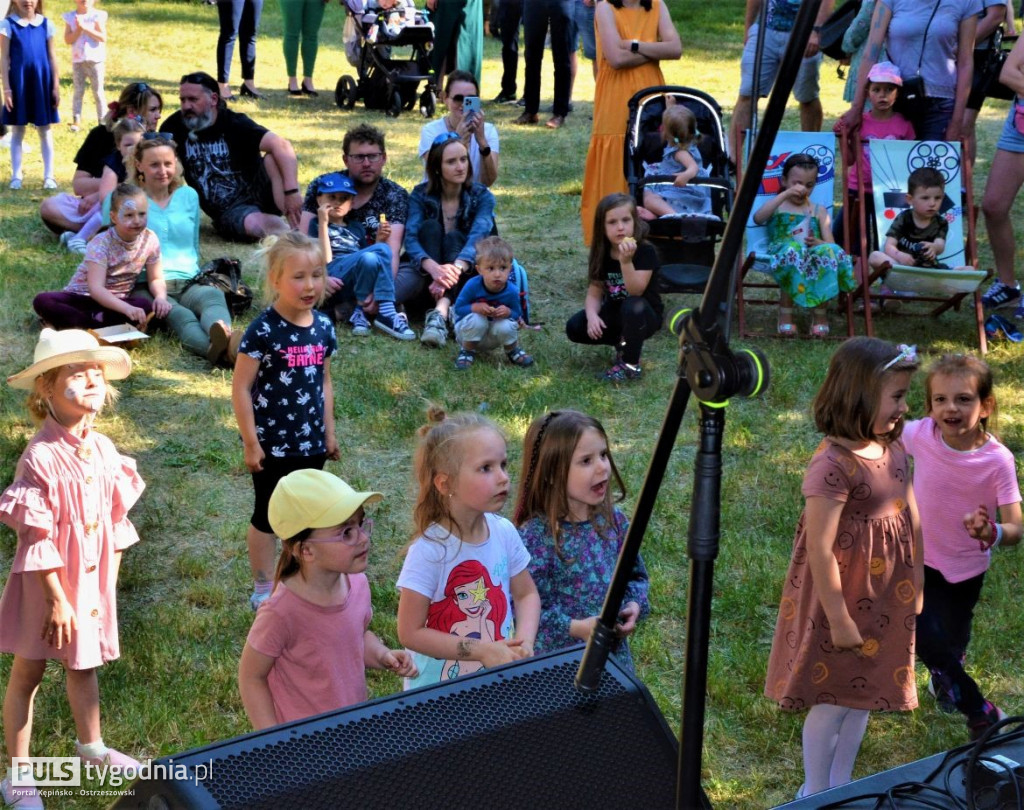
[[907, 353], [675, 141], [444, 137]]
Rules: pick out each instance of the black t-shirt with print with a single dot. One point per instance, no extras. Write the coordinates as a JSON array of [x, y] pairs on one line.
[[222, 161], [645, 258]]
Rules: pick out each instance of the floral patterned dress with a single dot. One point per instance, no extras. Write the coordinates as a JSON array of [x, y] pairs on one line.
[[573, 586], [812, 276]]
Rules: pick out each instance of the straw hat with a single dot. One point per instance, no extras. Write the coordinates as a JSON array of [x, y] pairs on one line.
[[68, 346]]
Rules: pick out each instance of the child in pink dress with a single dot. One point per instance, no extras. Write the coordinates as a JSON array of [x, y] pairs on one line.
[[68, 504]]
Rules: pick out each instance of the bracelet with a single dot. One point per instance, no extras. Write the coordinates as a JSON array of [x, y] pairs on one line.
[[999, 534], [289, 191], [996, 538], [816, 29]]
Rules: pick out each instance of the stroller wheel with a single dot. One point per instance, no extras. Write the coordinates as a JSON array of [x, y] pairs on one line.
[[346, 93], [427, 104], [394, 104]]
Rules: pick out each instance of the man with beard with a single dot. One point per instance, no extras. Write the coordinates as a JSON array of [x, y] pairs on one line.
[[245, 175], [378, 202]]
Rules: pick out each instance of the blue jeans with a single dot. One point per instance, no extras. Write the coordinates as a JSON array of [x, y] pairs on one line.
[[583, 28], [537, 16], [365, 271], [238, 18]]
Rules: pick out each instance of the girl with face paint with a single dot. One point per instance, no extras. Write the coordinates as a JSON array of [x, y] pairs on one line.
[[101, 291], [68, 504]]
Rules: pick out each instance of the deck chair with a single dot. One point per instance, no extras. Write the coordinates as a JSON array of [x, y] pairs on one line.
[[891, 164], [753, 282]]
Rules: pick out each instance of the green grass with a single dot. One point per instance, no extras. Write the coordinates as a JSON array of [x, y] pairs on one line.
[[183, 608]]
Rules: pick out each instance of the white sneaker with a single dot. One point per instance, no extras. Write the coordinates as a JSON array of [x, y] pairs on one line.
[[15, 184], [49, 184], [76, 244]]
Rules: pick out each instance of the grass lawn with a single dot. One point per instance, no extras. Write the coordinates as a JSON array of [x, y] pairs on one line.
[[183, 593]]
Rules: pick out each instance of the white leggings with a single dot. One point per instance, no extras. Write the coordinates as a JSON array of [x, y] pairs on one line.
[[46, 147], [832, 737], [94, 72]]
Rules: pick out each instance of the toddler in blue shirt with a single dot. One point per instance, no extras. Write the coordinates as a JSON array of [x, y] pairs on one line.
[[488, 310]]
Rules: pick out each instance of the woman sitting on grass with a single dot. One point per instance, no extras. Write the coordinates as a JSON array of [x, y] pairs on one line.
[[448, 215], [199, 313]]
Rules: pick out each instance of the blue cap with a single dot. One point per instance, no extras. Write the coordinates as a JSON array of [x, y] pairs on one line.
[[335, 183]]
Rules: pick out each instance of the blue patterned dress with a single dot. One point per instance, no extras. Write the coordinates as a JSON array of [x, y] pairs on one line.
[[574, 587], [812, 276]]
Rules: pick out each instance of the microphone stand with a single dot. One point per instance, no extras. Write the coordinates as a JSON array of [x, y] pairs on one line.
[[709, 369]]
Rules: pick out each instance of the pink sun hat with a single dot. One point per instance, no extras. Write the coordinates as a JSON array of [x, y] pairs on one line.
[[885, 73]]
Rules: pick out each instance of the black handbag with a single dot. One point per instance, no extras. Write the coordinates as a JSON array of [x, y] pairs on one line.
[[993, 67], [225, 274], [830, 38]]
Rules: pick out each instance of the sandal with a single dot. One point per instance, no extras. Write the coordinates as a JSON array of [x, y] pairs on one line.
[[819, 330], [465, 360], [787, 328], [518, 357]]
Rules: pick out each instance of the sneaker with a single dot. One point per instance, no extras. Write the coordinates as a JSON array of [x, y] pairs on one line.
[[397, 326], [49, 184], [622, 372], [360, 326], [15, 184], [1001, 295], [233, 343], [76, 244], [21, 798], [942, 688], [521, 102], [435, 330], [113, 759], [505, 98], [1018, 313], [979, 724]]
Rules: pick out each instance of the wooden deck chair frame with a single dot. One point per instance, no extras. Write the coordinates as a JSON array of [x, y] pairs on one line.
[[743, 282], [855, 157]]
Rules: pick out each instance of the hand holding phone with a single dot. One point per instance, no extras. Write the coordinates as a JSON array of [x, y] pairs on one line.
[[470, 105]]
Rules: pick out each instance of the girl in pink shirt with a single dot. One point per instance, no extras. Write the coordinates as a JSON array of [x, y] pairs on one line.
[[68, 504], [310, 644], [965, 480]]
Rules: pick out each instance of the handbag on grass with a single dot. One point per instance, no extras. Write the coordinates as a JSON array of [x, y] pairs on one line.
[[225, 274]]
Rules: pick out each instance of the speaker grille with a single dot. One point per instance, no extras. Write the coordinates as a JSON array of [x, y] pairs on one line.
[[515, 737]]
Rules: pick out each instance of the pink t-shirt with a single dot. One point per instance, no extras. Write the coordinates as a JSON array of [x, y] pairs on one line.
[[123, 260], [950, 483], [896, 128], [319, 664]]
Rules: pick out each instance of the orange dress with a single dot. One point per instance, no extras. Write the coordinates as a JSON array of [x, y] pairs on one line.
[[603, 173]]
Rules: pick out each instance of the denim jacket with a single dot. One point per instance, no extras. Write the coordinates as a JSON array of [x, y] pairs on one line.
[[475, 219]]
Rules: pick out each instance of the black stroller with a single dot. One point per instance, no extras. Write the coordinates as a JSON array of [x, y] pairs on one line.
[[685, 243], [386, 81]]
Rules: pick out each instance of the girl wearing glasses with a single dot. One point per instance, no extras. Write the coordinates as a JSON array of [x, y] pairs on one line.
[[310, 644], [479, 137]]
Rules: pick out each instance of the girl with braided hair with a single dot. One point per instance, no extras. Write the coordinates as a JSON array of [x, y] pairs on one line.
[[574, 531]]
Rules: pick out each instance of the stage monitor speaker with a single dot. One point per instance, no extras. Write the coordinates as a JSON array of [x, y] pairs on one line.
[[937, 781], [518, 736]]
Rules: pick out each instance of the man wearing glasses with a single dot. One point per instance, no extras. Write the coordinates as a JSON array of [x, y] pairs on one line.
[[364, 154], [246, 176]]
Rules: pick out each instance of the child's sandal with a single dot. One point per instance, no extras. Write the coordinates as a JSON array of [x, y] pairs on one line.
[[465, 360], [518, 357], [787, 328]]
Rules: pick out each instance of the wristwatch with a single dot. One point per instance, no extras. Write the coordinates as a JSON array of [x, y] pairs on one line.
[[485, 151], [635, 46]]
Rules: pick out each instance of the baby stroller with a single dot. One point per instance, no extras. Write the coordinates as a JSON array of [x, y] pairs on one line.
[[374, 29], [685, 242]]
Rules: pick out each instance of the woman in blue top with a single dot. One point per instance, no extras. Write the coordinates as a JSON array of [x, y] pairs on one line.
[[448, 215], [199, 313], [930, 39]]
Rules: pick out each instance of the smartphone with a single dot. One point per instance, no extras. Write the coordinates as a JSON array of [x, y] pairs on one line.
[[470, 104]]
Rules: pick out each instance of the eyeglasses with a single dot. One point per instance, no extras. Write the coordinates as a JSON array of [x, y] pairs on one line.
[[444, 137], [156, 136], [372, 157], [350, 536]]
